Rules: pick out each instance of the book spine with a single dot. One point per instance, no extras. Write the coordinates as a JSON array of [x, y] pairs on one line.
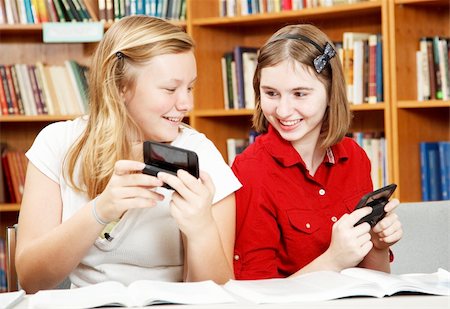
[[12, 90], [431, 68], [239, 77], [379, 62], [444, 159], [17, 89], [34, 87], [7, 174], [74, 10], [59, 11], [229, 59], [10, 107], [3, 103], [437, 68], [433, 167], [223, 66], [70, 16], [372, 87], [443, 66], [29, 12], [425, 73], [424, 172], [41, 90]]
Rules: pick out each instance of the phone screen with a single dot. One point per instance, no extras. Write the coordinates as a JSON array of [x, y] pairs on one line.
[[165, 157]]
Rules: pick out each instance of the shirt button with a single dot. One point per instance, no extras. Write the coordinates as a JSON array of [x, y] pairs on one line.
[[322, 192], [334, 219], [236, 257], [308, 225]]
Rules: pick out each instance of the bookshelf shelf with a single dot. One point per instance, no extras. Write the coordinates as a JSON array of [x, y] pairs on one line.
[[312, 13], [423, 104], [38, 118], [368, 107], [9, 207]]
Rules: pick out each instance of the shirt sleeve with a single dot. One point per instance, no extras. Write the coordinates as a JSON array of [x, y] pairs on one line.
[[257, 232], [212, 162], [46, 153]]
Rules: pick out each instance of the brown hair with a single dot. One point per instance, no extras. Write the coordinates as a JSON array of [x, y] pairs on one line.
[[280, 47], [126, 46]]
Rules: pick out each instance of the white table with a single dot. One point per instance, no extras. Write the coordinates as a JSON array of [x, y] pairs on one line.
[[394, 302]]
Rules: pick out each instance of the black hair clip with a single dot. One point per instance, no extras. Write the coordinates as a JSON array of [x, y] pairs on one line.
[[119, 55], [321, 61]]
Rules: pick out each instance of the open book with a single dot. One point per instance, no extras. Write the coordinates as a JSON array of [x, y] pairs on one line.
[[326, 285], [137, 294], [10, 299]]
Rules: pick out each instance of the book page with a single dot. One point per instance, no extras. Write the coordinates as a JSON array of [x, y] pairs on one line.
[[147, 292], [433, 283], [315, 286], [8, 300], [106, 293]]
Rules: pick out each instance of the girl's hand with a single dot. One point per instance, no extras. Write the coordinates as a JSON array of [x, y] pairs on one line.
[[389, 230], [350, 244], [128, 188], [191, 201]]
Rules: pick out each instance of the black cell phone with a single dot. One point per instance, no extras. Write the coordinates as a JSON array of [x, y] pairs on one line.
[[377, 200], [160, 157]]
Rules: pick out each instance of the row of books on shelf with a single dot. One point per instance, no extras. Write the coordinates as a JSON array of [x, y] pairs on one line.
[[113, 10], [435, 170], [12, 171], [433, 64], [235, 146], [38, 89], [374, 144], [230, 8], [360, 54], [41, 11]]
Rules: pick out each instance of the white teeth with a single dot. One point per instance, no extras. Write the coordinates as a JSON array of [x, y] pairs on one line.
[[174, 119], [289, 122]]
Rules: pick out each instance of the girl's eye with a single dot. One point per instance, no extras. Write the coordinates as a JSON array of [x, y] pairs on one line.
[[271, 93], [190, 89], [171, 90], [299, 94]]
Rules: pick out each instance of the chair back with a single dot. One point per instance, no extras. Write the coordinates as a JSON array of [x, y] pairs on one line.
[[425, 245]]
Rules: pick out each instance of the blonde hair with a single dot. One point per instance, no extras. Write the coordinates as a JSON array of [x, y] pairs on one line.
[[126, 46], [337, 117]]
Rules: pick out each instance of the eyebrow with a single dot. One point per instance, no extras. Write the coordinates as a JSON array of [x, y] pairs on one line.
[[179, 80], [293, 89]]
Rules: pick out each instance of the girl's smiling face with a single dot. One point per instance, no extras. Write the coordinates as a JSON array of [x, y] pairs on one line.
[[294, 101], [163, 95]]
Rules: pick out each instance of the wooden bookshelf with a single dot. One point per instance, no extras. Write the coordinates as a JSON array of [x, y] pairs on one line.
[[216, 35], [403, 120], [414, 121]]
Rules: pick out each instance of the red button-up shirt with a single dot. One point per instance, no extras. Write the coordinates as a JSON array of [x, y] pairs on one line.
[[284, 215]]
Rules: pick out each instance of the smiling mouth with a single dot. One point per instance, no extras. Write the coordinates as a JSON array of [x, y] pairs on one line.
[[174, 119], [289, 122]]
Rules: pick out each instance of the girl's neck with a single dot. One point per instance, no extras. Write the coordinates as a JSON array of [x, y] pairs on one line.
[[312, 155]]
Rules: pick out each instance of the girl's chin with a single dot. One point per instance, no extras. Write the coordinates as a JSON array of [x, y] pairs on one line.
[[164, 137]]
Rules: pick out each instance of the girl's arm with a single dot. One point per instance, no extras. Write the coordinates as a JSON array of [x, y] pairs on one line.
[[47, 251], [208, 230]]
